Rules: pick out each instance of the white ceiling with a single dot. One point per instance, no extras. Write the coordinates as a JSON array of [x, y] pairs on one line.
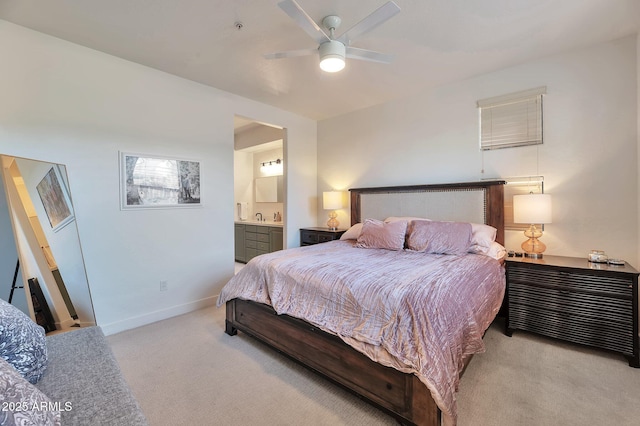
[[433, 41]]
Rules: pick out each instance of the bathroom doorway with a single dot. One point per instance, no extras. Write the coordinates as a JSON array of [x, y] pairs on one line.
[[259, 188]]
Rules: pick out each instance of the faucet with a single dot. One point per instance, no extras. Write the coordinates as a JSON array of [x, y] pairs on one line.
[[260, 216]]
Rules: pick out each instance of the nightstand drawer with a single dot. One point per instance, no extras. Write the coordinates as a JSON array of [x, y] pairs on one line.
[[308, 237], [323, 238], [586, 305], [576, 329], [573, 281]]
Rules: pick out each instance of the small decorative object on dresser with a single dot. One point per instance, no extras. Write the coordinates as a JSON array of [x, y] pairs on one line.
[[572, 299], [310, 236]]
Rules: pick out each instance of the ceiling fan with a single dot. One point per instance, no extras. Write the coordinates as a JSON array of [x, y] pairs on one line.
[[332, 50]]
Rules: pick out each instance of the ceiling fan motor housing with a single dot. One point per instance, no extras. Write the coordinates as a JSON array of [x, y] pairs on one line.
[[332, 54], [331, 22]]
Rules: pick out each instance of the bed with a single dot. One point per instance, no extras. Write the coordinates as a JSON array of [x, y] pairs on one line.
[[356, 354]]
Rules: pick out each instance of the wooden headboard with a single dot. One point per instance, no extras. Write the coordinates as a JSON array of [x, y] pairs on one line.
[[477, 202]]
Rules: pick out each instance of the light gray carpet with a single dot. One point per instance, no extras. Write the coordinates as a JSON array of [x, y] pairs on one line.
[[185, 370]]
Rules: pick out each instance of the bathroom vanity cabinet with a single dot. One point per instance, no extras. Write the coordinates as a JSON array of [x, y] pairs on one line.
[[252, 240]]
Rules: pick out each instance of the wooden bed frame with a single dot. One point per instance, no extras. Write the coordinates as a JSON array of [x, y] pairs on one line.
[[400, 394]]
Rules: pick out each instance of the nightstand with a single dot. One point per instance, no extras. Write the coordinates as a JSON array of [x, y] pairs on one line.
[[310, 236], [575, 300]]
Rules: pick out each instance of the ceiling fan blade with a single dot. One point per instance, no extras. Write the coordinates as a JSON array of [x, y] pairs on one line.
[[291, 53], [304, 21], [377, 17], [368, 55]]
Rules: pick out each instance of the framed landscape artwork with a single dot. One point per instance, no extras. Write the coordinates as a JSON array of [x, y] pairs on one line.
[[158, 182], [55, 199]]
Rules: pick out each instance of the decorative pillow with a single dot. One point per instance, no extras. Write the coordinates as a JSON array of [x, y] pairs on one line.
[[22, 403], [22, 342], [439, 237], [352, 233], [377, 234]]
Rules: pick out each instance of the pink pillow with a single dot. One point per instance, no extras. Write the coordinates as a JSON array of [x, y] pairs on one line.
[[352, 233], [377, 234], [439, 237]]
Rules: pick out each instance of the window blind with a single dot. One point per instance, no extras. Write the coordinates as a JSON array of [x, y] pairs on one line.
[[511, 120]]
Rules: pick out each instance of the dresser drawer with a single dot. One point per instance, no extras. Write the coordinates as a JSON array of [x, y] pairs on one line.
[[263, 237]]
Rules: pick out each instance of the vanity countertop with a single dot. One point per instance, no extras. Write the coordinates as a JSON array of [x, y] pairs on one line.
[[258, 223]]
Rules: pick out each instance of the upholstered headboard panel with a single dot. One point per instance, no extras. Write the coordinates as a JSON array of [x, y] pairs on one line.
[[478, 202]]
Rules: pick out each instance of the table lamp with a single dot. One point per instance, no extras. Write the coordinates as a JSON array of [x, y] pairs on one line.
[[332, 200], [532, 209]]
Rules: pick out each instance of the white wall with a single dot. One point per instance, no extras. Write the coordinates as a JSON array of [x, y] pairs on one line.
[[71, 105], [243, 181], [589, 158]]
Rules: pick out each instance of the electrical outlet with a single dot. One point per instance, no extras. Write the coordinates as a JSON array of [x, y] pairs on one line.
[[164, 285]]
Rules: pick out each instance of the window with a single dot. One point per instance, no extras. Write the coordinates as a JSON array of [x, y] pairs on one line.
[[511, 120]]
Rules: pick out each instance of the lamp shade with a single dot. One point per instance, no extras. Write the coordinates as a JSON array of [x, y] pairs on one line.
[[532, 208], [332, 200]]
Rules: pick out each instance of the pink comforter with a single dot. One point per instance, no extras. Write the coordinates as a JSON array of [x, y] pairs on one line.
[[419, 313]]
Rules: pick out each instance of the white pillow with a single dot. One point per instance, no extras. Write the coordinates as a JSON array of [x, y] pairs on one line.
[[352, 233], [482, 235], [495, 250], [408, 219]]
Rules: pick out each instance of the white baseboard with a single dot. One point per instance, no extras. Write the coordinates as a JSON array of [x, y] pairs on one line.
[[151, 317]]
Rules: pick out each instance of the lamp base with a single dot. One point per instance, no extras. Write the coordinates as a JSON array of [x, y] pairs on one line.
[[533, 247], [333, 223]]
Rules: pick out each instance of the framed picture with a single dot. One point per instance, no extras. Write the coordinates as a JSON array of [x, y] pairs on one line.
[[55, 199], [148, 181]]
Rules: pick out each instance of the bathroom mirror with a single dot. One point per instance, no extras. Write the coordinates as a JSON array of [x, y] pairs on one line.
[[43, 260], [269, 189]]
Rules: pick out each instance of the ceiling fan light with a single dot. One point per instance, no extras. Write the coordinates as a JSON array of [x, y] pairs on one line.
[[332, 64], [332, 55]]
